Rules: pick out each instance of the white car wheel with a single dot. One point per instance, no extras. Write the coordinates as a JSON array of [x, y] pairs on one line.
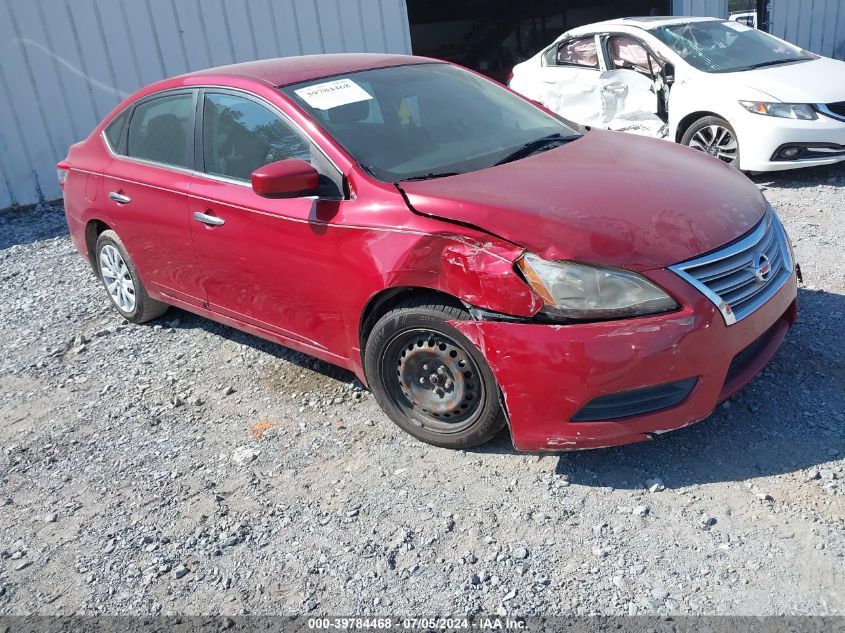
[[714, 136]]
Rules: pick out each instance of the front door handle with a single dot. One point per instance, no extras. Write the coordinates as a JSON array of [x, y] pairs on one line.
[[210, 220], [119, 198]]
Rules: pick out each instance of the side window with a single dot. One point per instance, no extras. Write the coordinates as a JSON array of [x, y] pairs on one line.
[[114, 130], [628, 53], [580, 52], [160, 130], [240, 135]]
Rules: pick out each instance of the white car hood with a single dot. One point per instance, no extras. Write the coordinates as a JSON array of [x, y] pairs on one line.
[[821, 80]]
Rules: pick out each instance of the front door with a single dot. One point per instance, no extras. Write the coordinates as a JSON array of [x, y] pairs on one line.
[[631, 65], [263, 260], [146, 187]]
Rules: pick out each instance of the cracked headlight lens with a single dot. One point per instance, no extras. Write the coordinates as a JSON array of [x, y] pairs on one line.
[[580, 291]]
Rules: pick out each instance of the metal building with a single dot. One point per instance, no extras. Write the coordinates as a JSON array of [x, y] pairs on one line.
[[494, 35], [709, 8], [814, 25], [65, 65]]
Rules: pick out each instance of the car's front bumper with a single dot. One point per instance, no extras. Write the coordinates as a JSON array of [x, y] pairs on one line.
[[547, 373], [761, 137]]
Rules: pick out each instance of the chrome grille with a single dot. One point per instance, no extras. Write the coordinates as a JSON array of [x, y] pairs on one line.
[[733, 277]]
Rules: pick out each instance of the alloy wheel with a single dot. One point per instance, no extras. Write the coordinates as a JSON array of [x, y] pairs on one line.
[[716, 141], [117, 278]]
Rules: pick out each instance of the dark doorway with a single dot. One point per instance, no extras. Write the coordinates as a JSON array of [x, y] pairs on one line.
[[763, 14], [491, 36]]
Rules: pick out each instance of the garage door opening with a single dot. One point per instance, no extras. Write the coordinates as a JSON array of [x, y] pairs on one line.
[[492, 36]]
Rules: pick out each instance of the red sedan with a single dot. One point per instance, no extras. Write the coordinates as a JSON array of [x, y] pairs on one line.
[[474, 259]]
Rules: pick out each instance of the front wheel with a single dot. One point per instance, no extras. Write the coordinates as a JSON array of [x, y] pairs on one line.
[[429, 378], [714, 136]]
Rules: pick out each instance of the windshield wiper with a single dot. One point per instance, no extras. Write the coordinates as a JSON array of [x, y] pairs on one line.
[[532, 147], [429, 176], [773, 63]]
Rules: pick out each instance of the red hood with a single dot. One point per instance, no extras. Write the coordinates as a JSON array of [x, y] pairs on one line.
[[607, 198]]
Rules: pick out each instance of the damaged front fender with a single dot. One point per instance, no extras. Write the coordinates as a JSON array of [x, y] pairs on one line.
[[479, 273], [547, 373]]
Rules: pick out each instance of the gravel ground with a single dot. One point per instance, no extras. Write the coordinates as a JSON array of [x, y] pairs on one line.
[[183, 467]]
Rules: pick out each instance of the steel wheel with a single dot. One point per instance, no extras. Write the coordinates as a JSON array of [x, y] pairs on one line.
[[718, 141], [428, 377], [117, 278], [437, 383]]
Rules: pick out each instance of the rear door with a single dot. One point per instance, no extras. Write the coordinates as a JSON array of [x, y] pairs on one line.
[[569, 79], [146, 186]]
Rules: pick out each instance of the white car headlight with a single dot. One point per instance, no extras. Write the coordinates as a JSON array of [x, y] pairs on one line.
[[802, 111], [579, 291]]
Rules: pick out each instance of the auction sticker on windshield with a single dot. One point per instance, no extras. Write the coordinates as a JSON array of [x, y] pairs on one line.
[[332, 94]]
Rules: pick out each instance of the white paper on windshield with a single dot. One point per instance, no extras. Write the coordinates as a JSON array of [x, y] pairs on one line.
[[332, 94]]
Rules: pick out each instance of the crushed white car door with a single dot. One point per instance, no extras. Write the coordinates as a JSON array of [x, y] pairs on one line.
[[622, 100], [567, 80], [629, 103], [571, 79], [572, 93]]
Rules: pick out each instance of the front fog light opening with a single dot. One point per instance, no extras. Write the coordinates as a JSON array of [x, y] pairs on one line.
[[642, 401], [799, 151]]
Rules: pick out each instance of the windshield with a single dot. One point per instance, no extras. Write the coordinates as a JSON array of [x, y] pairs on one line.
[[722, 47], [424, 120]]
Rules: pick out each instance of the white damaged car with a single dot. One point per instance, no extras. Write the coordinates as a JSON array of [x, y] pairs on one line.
[[739, 94]]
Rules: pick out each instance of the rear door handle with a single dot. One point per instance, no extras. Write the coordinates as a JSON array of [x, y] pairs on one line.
[[119, 198], [210, 220]]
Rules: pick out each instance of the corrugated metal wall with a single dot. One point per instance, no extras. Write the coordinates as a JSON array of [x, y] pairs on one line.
[[64, 64], [702, 8], [815, 25]]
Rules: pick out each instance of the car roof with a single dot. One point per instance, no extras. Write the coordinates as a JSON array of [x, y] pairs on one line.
[[290, 70], [645, 22]]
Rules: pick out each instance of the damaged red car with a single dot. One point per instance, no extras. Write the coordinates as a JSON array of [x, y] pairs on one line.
[[474, 259]]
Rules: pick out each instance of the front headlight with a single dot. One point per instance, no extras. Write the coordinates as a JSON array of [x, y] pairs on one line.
[[783, 110], [579, 291]]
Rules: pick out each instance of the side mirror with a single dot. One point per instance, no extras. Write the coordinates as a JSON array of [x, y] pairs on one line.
[[289, 178], [668, 73]]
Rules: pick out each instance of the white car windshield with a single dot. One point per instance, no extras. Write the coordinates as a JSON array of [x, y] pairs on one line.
[[723, 47]]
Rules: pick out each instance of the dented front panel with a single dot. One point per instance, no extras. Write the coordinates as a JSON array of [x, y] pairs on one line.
[[548, 372]]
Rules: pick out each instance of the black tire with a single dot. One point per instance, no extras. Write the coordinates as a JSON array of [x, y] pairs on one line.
[[410, 341], [691, 138], [145, 308]]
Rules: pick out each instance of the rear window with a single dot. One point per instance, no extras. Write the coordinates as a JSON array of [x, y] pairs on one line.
[[580, 52], [114, 130], [160, 130]]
